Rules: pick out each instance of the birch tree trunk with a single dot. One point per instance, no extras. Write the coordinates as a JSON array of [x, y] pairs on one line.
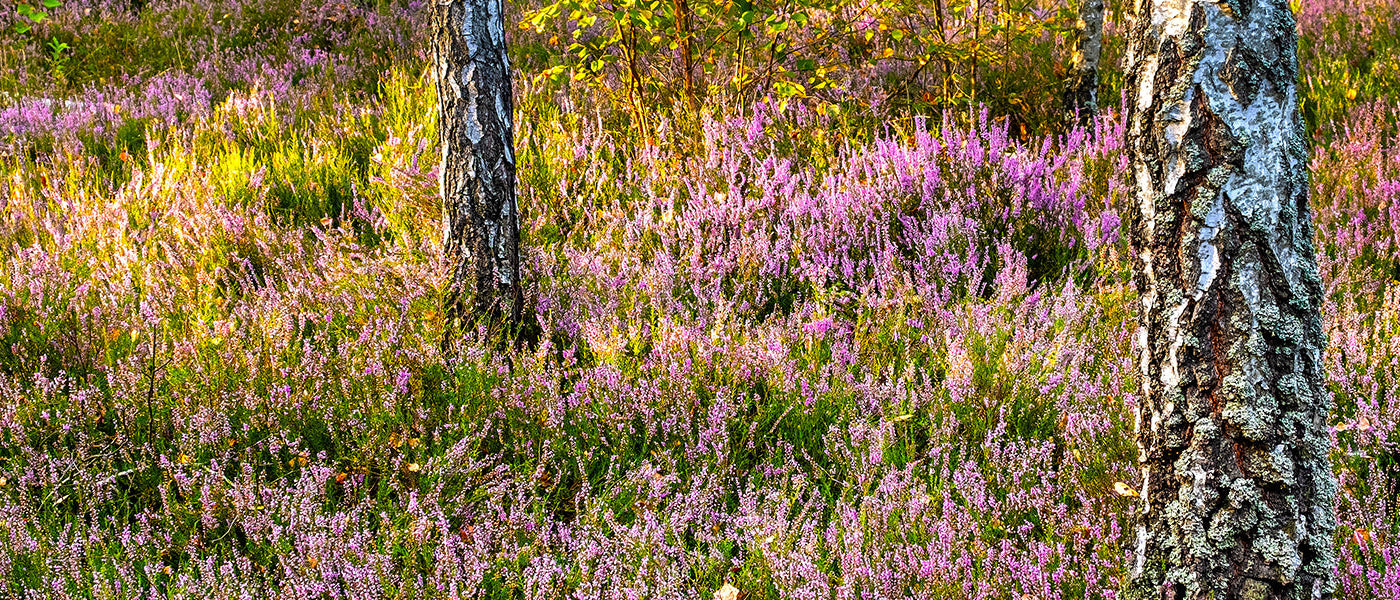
[[1237, 490], [1082, 89], [481, 227]]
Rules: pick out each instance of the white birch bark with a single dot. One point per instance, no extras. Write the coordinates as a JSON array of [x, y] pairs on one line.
[[481, 226], [1237, 488]]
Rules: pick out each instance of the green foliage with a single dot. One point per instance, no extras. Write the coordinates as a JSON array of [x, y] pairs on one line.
[[58, 58], [916, 56], [29, 15]]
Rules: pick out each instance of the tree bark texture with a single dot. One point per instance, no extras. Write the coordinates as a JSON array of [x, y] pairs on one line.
[[1236, 500], [481, 226], [1082, 89]]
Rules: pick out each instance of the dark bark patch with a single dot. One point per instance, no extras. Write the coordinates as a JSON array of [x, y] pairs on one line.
[[1242, 72], [1169, 64], [1219, 142]]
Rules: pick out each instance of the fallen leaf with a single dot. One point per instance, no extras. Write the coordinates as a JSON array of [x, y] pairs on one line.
[[1361, 536], [728, 592]]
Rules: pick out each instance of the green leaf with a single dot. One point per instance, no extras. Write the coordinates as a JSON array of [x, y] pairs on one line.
[[51, 3], [788, 89]]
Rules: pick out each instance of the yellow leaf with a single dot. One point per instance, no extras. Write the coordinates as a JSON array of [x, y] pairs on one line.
[[1123, 490]]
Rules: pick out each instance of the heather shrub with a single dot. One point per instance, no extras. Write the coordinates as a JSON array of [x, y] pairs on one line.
[[809, 350], [401, 177], [1350, 49]]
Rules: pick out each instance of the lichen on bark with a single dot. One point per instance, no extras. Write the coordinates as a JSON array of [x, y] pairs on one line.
[[1237, 489]]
